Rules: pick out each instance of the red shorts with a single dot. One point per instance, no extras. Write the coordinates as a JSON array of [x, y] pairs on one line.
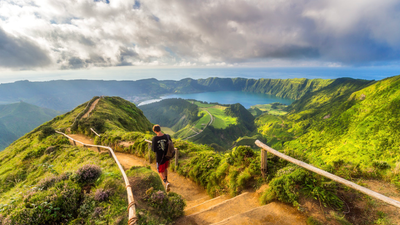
[[161, 168]]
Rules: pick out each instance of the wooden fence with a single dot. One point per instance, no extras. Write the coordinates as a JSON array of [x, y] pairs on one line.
[[149, 143], [131, 207], [322, 173]]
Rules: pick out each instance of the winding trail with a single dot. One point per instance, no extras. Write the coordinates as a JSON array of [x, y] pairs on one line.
[[181, 185], [92, 106], [201, 209], [208, 124]]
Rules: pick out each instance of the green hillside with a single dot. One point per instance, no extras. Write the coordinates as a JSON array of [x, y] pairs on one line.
[[350, 127], [284, 88], [112, 113], [46, 180], [173, 113], [19, 118]]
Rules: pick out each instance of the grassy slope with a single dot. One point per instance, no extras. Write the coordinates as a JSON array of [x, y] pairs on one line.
[[352, 123], [221, 120], [29, 161], [113, 113], [174, 113], [272, 109]]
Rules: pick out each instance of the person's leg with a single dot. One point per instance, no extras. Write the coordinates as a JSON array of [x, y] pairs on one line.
[[165, 174], [162, 170]]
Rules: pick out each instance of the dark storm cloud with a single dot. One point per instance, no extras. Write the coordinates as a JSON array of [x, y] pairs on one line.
[[21, 52]]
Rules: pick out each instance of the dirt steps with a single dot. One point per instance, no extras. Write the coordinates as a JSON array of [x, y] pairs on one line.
[[222, 210], [272, 214], [205, 204]]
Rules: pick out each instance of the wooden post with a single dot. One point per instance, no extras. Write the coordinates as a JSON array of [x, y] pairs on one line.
[[74, 142], [176, 157], [264, 163], [98, 149], [149, 152]]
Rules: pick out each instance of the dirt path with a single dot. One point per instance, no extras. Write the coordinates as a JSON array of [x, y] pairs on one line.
[[391, 191], [181, 185], [91, 108], [208, 124]]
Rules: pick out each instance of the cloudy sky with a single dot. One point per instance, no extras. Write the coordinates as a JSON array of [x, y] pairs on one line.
[[78, 34]]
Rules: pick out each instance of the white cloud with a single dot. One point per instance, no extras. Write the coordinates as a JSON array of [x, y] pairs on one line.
[[85, 33]]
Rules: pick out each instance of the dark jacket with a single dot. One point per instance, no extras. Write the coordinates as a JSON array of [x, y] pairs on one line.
[[160, 147]]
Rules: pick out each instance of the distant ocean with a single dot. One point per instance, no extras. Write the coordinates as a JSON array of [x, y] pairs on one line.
[[132, 73]]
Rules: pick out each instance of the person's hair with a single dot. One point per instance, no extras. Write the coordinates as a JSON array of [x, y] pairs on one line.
[[156, 128]]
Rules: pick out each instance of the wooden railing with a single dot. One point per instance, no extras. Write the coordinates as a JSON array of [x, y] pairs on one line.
[[322, 173], [131, 207], [95, 132], [149, 143]]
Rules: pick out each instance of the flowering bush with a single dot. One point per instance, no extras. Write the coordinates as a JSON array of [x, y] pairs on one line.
[[102, 195], [170, 205], [47, 182], [97, 212], [55, 205], [88, 174]]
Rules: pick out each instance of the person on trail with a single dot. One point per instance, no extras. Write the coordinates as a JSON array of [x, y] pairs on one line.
[[160, 147]]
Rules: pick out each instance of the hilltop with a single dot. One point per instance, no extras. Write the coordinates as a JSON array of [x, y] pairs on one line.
[[19, 118]]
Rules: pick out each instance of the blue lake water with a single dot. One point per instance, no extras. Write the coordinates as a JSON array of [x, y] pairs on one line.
[[228, 97]]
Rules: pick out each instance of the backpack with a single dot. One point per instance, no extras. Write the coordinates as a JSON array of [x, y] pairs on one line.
[[171, 149]]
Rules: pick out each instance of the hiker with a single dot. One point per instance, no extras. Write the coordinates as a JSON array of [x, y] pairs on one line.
[[160, 146]]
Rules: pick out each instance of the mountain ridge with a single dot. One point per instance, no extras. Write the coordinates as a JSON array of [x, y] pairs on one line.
[[63, 95]]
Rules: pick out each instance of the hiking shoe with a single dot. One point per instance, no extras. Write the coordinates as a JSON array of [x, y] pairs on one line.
[[167, 184]]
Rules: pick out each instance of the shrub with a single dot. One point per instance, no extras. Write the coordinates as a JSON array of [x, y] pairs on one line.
[[169, 205], [381, 165], [53, 206], [48, 182], [283, 188], [102, 195], [97, 212], [46, 131], [87, 174]]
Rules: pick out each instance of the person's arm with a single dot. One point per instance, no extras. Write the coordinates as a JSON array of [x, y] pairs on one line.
[[153, 145]]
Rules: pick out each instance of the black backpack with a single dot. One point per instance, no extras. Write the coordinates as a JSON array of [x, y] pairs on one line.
[[171, 149]]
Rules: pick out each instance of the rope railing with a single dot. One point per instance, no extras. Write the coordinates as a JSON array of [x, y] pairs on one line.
[[325, 174], [149, 143], [131, 207]]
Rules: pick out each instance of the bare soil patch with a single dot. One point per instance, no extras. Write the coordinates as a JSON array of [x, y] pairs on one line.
[[91, 108]]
